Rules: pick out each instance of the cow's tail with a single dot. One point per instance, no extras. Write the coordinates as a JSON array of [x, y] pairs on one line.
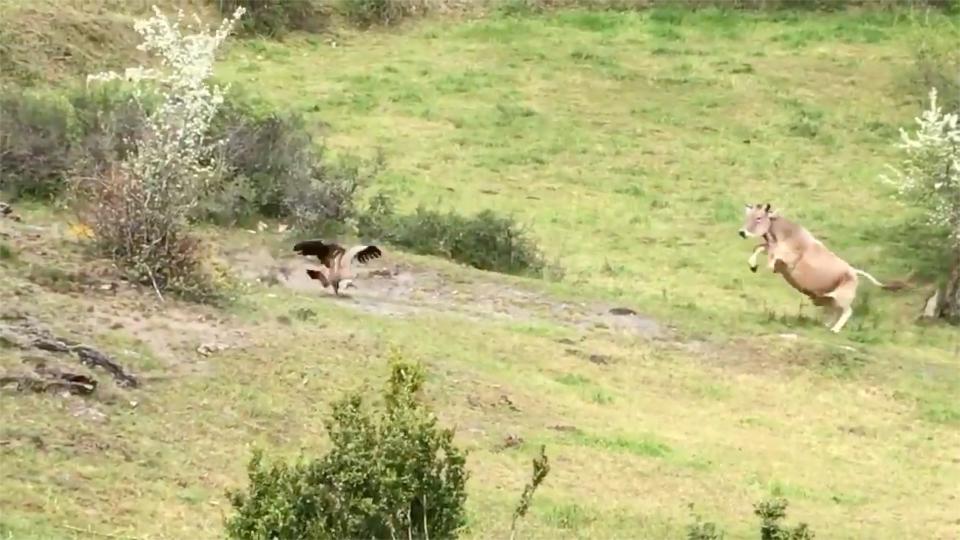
[[889, 286]]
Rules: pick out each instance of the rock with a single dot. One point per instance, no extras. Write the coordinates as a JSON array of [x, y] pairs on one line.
[[206, 349]]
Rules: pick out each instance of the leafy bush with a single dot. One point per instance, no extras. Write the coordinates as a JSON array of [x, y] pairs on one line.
[[391, 475], [269, 162], [47, 136], [140, 206], [772, 512], [275, 168], [275, 19], [929, 176], [486, 241], [36, 136]]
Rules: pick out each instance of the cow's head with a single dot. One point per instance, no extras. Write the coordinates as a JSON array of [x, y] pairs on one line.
[[757, 221]]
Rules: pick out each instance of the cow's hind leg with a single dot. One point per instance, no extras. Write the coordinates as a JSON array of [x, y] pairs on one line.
[[833, 314], [843, 297]]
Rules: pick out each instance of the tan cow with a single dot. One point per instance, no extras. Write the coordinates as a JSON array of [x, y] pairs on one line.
[[804, 262]]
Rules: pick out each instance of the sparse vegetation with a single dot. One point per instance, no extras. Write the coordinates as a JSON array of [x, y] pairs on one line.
[[276, 19], [393, 475], [366, 13], [704, 530]]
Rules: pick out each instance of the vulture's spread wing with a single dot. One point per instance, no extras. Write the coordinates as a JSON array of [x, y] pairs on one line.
[[362, 254], [325, 252]]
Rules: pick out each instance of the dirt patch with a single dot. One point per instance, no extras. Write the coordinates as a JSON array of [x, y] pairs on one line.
[[391, 288]]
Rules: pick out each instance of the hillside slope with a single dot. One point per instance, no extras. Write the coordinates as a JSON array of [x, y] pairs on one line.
[[628, 143]]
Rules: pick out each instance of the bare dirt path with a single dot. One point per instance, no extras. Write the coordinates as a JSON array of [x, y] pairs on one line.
[[391, 287]]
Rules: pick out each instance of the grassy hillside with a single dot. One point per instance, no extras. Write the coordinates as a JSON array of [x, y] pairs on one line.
[[628, 144]]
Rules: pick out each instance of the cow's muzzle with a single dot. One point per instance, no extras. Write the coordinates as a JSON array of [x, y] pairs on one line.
[[742, 233]]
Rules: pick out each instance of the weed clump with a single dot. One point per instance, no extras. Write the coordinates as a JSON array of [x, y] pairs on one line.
[[486, 241], [275, 19], [366, 13], [394, 474], [541, 468]]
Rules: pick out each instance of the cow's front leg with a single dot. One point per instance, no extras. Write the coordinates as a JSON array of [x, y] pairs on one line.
[[771, 261], [753, 257]]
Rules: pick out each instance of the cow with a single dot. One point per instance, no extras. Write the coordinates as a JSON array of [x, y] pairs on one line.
[[804, 262]]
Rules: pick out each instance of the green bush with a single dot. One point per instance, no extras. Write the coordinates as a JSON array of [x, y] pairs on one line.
[[47, 136], [394, 474], [275, 168], [485, 241], [274, 19], [771, 513], [36, 136]]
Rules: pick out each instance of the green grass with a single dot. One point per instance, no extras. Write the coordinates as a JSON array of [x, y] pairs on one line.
[[628, 144]]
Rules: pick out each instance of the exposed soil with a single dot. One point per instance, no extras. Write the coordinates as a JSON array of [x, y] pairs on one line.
[[391, 288]]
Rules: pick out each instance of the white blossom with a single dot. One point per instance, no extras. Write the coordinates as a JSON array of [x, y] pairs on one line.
[[173, 155], [930, 171]]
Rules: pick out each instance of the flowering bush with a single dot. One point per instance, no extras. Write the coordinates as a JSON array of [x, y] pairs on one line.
[[930, 175], [930, 172], [140, 207]]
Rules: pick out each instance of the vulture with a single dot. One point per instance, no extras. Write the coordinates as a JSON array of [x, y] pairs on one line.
[[336, 261]]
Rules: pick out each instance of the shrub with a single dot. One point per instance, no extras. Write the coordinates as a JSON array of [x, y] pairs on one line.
[[275, 19], [47, 136], [391, 475], [275, 168], [140, 229], [139, 208], [771, 513], [36, 135], [929, 176], [485, 241]]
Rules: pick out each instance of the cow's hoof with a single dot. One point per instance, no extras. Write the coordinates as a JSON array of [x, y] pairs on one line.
[[753, 269]]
